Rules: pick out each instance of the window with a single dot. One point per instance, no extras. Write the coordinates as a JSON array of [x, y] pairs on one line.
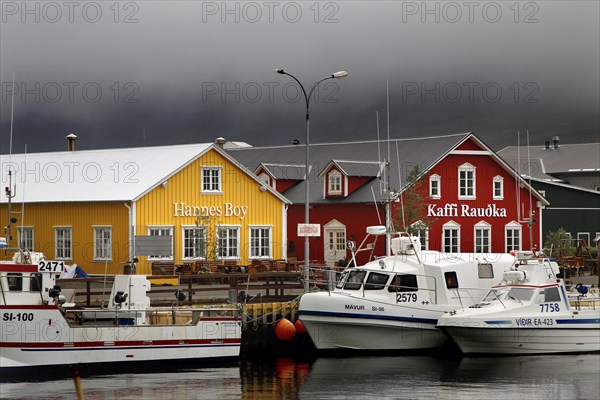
[[420, 231], [354, 280], [584, 236], [466, 181], [548, 294], [376, 281], [404, 283], [15, 281], [35, 282], [485, 271], [334, 183], [62, 242], [102, 243], [264, 178], [451, 280], [211, 179], [512, 232], [451, 237], [194, 242], [260, 242], [435, 189], [228, 242], [498, 188], [162, 231], [25, 237], [483, 234]]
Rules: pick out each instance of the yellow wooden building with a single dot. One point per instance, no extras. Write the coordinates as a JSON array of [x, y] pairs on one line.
[[91, 207]]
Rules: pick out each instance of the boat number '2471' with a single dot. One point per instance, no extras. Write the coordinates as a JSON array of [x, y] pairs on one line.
[[406, 297]]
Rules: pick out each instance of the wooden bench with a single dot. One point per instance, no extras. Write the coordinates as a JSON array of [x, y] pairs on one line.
[[163, 268]]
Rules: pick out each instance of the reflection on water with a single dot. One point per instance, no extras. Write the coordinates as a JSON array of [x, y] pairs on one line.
[[528, 377]]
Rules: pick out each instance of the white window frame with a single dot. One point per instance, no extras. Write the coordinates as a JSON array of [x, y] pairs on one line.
[[482, 248], [221, 248], [28, 237], [500, 181], [463, 190], [435, 191], [162, 227], [451, 226], [265, 178], [252, 230], [102, 249], [210, 186], [585, 236], [63, 252], [512, 227], [334, 183], [185, 241], [422, 235]]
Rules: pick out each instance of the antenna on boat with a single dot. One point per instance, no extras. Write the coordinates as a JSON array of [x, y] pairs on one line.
[[530, 219], [400, 185], [10, 193]]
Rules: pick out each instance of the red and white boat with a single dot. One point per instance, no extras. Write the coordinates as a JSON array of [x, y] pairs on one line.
[[40, 329]]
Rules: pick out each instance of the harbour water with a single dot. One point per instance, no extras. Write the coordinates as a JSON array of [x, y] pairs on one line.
[[402, 377]]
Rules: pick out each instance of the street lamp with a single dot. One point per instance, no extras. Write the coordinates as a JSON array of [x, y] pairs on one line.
[[336, 75]]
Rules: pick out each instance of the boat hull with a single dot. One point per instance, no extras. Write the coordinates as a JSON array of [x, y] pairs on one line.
[[488, 340], [37, 336], [336, 321]]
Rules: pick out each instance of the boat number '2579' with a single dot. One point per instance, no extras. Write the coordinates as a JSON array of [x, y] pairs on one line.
[[406, 297]]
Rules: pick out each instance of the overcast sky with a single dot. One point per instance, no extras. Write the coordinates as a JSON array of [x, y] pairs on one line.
[[167, 72]]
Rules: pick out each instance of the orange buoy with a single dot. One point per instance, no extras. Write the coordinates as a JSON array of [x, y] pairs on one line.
[[285, 330], [300, 329]]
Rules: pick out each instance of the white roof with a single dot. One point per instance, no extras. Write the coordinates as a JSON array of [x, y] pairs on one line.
[[94, 175]]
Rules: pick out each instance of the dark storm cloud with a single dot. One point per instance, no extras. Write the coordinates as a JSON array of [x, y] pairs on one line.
[[154, 72]]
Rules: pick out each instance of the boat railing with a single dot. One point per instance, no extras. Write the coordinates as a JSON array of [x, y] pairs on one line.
[[469, 296], [148, 317]]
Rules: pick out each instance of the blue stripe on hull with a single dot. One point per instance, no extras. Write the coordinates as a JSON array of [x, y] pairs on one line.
[[367, 316]]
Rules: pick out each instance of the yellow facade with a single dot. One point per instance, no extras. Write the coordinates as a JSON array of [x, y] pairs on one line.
[[82, 218], [167, 206], [241, 203]]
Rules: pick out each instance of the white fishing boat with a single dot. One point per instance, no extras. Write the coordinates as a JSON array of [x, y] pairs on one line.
[[530, 312], [394, 302], [40, 328]]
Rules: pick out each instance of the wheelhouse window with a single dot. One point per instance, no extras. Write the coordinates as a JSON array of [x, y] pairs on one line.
[[354, 280], [376, 281], [404, 283], [228, 242], [485, 271], [194, 243], [498, 188], [451, 279], [162, 231], [466, 181], [483, 234], [435, 189], [35, 282], [451, 237], [260, 242], [211, 179], [25, 237], [15, 281], [512, 232], [334, 183], [63, 243], [102, 243]]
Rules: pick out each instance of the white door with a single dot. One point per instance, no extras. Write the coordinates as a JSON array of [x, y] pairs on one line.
[[335, 242]]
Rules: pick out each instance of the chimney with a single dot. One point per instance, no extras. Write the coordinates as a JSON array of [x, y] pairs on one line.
[[555, 140], [220, 141], [547, 144], [71, 138]]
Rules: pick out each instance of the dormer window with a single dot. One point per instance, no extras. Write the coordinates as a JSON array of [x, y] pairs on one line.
[[334, 183], [435, 189], [466, 182], [498, 188], [265, 178]]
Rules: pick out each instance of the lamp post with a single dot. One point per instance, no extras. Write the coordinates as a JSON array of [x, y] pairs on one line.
[[337, 75]]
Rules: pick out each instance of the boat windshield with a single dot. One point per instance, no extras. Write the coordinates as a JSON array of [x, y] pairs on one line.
[[355, 280], [520, 294], [495, 295]]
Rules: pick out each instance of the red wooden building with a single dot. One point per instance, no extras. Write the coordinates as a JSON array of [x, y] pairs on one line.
[[477, 203]]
